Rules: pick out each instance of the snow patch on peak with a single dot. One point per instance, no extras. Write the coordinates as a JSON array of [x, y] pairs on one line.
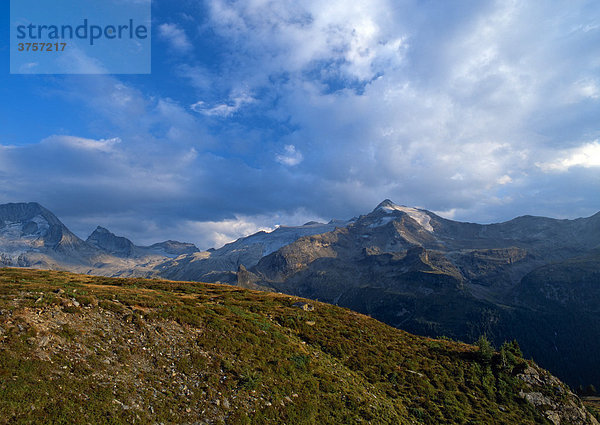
[[419, 216], [381, 222]]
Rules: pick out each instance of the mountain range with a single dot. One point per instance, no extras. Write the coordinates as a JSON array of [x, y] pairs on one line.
[[533, 279]]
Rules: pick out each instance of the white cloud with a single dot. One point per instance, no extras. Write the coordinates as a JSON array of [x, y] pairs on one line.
[[218, 233], [224, 110], [176, 36], [87, 168], [458, 109], [199, 77], [505, 179], [446, 107], [586, 156], [291, 156], [77, 61], [214, 234], [352, 39], [588, 88], [102, 145]]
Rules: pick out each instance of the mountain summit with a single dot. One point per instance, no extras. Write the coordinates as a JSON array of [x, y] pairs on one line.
[[420, 216], [29, 232], [104, 239], [386, 203]]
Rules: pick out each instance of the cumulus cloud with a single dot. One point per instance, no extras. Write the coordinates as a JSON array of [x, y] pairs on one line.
[[586, 156], [176, 37], [447, 107], [218, 233], [481, 112], [291, 156], [340, 39], [214, 234]]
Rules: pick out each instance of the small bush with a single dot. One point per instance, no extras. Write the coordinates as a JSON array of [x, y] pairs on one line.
[[486, 351]]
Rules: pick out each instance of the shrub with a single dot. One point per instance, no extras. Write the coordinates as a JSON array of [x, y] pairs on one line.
[[486, 351]]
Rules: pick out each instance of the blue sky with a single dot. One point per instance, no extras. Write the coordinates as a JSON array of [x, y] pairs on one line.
[[260, 113]]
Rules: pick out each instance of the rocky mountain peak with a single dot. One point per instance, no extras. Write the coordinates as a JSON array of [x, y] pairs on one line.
[[172, 248], [102, 230], [22, 212], [387, 203], [106, 240], [25, 226], [389, 209]]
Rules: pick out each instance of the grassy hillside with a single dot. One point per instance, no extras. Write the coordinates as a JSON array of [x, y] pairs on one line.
[[84, 349], [593, 405]]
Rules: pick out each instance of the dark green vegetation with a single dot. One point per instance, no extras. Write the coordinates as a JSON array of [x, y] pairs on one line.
[[83, 349], [552, 313], [533, 279]]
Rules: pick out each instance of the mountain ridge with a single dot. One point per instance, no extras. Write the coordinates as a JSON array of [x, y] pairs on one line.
[[409, 268]]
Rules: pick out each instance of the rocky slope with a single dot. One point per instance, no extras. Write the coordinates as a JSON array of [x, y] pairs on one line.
[[532, 278], [122, 247], [31, 236], [221, 265], [172, 248], [105, 240], [83, 349]]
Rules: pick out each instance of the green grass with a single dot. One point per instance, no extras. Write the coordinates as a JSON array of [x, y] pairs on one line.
[[149, 351]]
